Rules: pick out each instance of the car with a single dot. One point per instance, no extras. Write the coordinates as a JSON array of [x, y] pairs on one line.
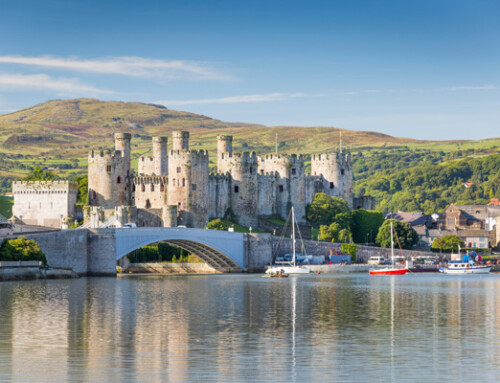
[[129, 225], [182, 227], [376, 260]]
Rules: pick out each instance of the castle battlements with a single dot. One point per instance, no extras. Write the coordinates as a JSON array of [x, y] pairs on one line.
[[189, 154], [24, 187]]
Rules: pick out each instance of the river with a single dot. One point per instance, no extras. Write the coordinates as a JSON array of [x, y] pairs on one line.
[[240, 327]]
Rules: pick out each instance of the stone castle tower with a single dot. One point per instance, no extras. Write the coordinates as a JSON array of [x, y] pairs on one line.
[[109, 173], [335, 171]]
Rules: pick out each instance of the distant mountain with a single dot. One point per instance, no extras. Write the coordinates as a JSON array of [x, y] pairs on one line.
[[74, 126]]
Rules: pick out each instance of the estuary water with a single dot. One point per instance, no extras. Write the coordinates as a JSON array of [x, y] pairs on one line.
[[239, 327]]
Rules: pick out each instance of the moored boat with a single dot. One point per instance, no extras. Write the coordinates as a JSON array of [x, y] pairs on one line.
[[465, 267], [390, 270], [292, 267]]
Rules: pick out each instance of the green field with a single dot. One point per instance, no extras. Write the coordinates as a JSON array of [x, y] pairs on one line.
[[6, 206]]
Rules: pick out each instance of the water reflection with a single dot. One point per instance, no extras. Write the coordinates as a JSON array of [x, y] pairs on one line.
[[243, 327]]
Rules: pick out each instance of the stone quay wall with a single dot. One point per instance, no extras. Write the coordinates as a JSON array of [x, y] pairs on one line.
[[364, 252]]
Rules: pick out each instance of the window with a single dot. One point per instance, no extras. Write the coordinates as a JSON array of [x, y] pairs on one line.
[[148, 204], [118, 180], [331, 185], [193, 187], [108, 168], [178, 169], [183, 182], [143, 187], [261, 171], [280, 187], [152, 187], [251, 169], [162, 187], [133, 187], [236, 189], [294, 171], [342, 171]]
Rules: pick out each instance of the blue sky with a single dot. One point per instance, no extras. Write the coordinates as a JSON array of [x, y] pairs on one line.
[[420, 69]]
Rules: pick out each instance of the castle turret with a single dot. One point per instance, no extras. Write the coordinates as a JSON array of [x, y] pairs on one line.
[[122, 144], [108, 174], [336, 174], [288, 184], [224, 149], [180, 140], [242, 169], [188, 182], [160, 158]]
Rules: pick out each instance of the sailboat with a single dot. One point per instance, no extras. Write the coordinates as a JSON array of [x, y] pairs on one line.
[[292, 267], [390, 270]]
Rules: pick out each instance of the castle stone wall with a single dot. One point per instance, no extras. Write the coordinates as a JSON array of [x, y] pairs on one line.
[[44, 203], [150, 192], [219, 189]]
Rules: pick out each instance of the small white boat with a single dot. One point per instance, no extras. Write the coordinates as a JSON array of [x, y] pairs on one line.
[[464, 267], [288, 270], [292, 267]]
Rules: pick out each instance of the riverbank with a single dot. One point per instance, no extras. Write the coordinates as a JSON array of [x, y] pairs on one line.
[[18, 271], [168, 268]]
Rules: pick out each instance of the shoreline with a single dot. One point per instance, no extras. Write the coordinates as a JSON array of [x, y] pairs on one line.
[[25, 271]]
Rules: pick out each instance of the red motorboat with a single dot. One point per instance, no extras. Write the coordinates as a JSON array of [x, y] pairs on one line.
[[388, 271]]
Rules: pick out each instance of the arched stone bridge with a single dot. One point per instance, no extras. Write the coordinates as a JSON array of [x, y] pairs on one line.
[[96, 251], [220, 249]]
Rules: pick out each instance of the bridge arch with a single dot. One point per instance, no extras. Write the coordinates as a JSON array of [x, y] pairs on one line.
[[221, 250]]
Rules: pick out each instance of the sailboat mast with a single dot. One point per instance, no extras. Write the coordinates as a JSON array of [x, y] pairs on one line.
[[293, 235], [392, 246]]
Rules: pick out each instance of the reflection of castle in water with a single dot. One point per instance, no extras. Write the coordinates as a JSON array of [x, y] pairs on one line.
[[159, 329], [177, 189]]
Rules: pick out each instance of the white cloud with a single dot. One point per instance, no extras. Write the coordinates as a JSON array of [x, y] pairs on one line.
[[237, 99], [65, 86], [482, 87], [127, 66]]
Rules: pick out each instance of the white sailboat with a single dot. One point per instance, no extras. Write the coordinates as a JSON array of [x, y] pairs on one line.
[[292, 267]]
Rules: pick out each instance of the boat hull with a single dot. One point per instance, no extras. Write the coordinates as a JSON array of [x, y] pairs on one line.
[[288, 270], [388, 272], [470, 270]]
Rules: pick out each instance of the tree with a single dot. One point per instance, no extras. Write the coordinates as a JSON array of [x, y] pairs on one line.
[[334, 233], [21, 249], [39, 174], [324, 210], [218, 224], [365, 224], [402, 231], [83, 187], [449, 242]]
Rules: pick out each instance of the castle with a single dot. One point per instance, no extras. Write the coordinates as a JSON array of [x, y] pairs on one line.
[[177, 188]]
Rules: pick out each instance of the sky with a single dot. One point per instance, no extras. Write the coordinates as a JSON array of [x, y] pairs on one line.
[[419, 69]]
